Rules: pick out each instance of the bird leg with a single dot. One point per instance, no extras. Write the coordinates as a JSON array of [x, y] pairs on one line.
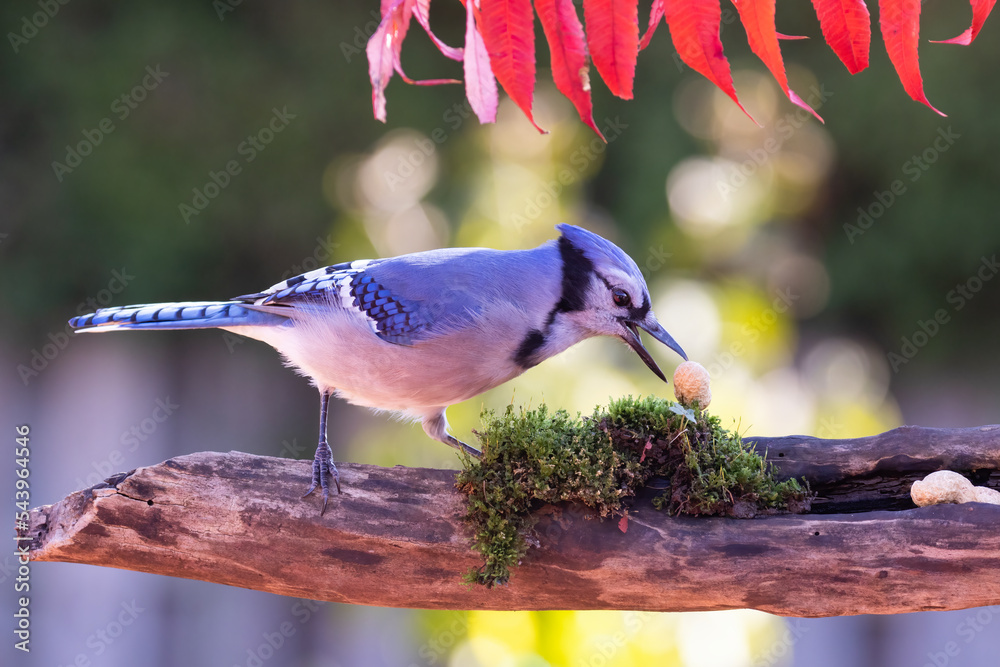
[[323, 466], [436, 426], [462, 447]]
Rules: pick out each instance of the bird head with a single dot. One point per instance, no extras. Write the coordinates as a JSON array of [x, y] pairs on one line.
[[605, 294]]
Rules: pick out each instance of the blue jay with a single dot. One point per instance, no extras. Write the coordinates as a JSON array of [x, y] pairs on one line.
[[419, 332]]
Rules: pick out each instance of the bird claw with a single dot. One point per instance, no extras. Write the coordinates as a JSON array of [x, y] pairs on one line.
[[322, 469]]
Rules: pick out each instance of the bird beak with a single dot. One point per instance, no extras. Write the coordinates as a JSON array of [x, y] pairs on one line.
[[653, 328]]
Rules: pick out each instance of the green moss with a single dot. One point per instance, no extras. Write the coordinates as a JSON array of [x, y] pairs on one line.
[[534, 457]]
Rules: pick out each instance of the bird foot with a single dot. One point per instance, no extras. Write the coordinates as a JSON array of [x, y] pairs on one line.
[[462, 447], [322, 469]]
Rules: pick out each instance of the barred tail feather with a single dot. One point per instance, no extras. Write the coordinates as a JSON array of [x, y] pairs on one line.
[[177, 315]]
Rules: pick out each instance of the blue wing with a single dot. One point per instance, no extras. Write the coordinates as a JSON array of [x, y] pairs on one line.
[[350, 286]]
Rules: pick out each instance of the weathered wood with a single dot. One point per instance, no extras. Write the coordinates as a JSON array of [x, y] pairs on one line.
[[395, 537], [875, 472], [907, 449]]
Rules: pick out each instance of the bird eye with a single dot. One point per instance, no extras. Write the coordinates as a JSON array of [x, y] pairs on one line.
[[621, 297]]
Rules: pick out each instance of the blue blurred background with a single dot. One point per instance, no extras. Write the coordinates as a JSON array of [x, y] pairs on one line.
[[837, 280]]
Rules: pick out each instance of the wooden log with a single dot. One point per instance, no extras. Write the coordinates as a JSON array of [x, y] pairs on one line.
[[875, 472], [395, 537]]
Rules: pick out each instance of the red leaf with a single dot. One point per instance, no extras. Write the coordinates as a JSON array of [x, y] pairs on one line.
[[480, 86], [847, 29], [694, 29], [564, 34], [613, 38], [784, 36], [383, 49], [508, 29], [422, 11], [757, 17], [649, 446], [623, 524], [900, 21], [655, 16], [980, 11]]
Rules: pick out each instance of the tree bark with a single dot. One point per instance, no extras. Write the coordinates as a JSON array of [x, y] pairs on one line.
[[395, 537]]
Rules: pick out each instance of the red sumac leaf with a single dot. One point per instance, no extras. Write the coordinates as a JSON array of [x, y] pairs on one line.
[[900, 22], [422, 10], [980, 11], [649, 446], [508, 29], [480, 86], [656, 11], [383, 49], [623, 524], [694, 29], [757, 17], [564, 33], [613, 38], [846, 27]]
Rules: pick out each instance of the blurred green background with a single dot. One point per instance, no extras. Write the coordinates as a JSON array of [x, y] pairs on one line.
[[835, 279]]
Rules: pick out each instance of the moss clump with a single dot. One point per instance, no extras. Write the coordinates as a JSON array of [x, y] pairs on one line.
[[709, 469], [533, 457]]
